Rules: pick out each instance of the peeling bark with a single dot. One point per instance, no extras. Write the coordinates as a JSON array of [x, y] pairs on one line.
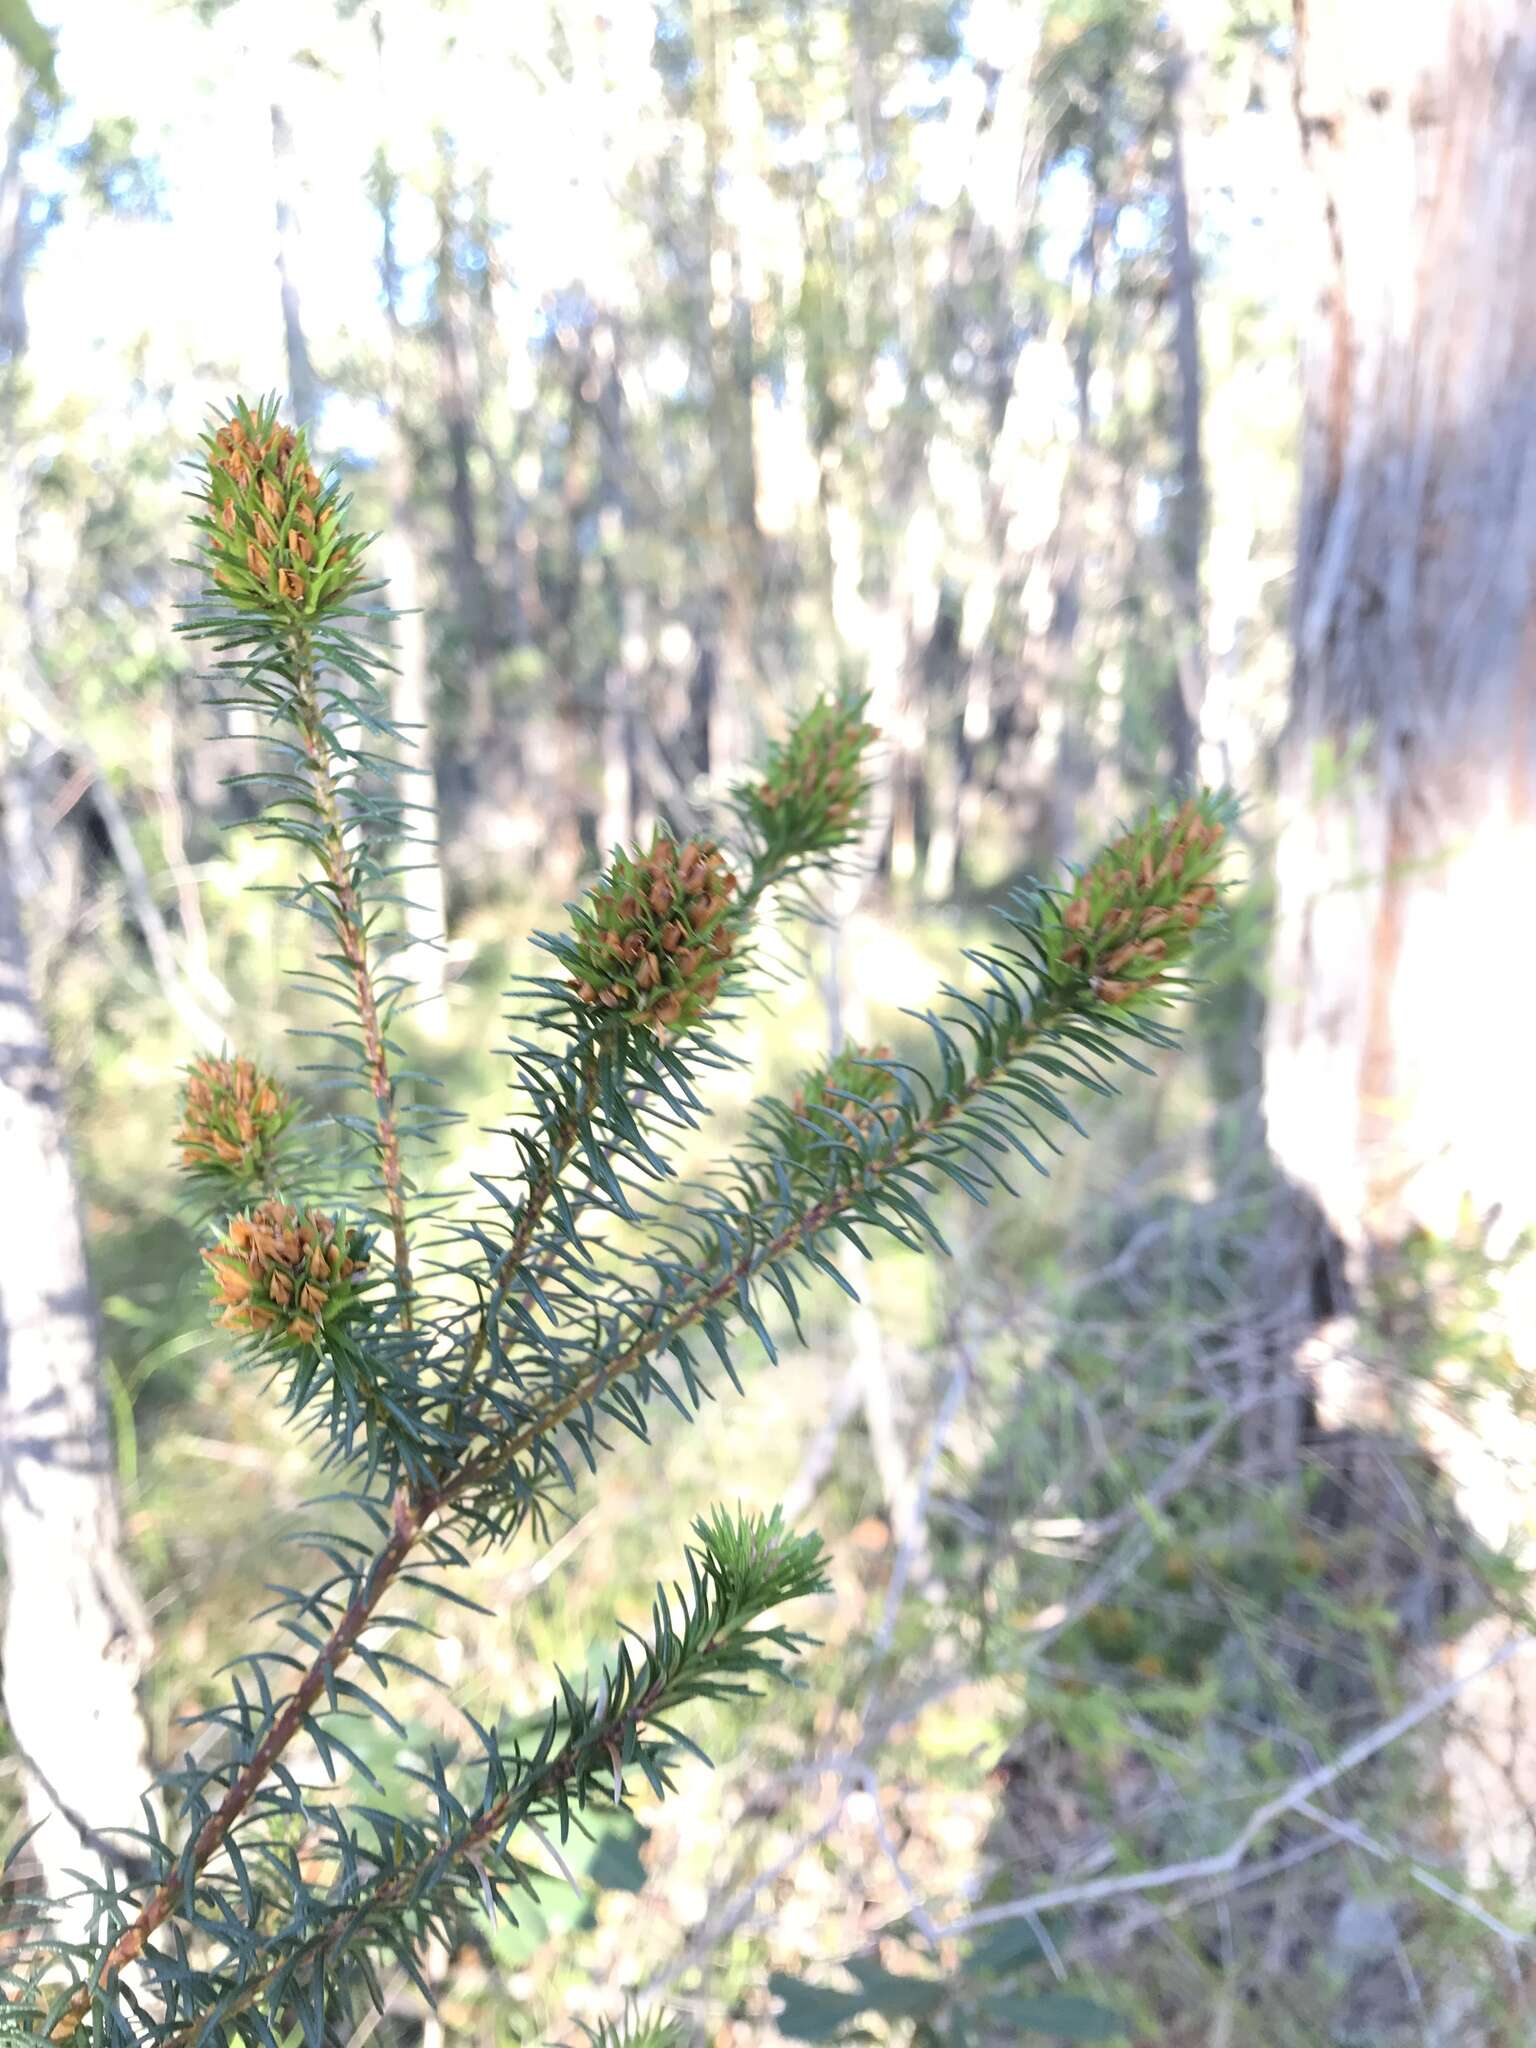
[[1397, 1043], [75, 1639], [1397, 1067]]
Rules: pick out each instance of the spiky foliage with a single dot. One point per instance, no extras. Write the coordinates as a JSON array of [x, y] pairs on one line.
[[854, 1087], [465, 1392], [809, 799], [637, 2030]]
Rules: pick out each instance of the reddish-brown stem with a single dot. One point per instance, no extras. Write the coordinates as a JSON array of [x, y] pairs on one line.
[[402, 1882], [412, 1512], [282, 1731], [352, 937]]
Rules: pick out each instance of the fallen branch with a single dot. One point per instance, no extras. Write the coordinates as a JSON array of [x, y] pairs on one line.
[[1293, 1799]]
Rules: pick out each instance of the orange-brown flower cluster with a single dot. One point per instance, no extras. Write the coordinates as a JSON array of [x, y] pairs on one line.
[[1134, 912], [810, 792], [651, 943], [232, 1118], [273, 525], [285, 1274]]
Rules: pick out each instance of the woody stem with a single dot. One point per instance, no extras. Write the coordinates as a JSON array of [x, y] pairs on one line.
[[352, 937], [413, 1511]]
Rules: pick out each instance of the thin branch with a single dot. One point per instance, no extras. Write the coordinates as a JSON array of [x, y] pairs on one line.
[[34, 707], [1173, 1480], [727, 1287], [1115, 1938], [922, 1919], [1347, 1831], [1292, 1799], [352, 936], [247, 1781], [822, 1449], [412, 1511], [720, 1923], [534, 1204], [405, 1880], [915, 1532], [560, 1145]]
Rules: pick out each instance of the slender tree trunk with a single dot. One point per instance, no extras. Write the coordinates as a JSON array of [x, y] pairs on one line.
[[411, 691], [193, 1006], [730, 121], [622, 697], [425, 908], [1398, 1089], [75, 1640], [475, 599], [1187, 519], [412, 696], [1397, 1084], [1072, 770], [303, 388], [624, 705], [15, 198]]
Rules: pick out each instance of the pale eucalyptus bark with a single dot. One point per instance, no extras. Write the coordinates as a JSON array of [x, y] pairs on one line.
[[303, 385], [1398, 1089], [1398, 1084], [1187, 514], [423, 961], [731, 133], [74, 1640]]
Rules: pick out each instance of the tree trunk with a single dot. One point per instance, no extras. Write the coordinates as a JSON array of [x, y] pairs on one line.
[[412, 697], [16, 227], [1397, 1084], [303, 387], [730, 121], [475, 603], [74, 1640], [423, 962], [1186, 526]]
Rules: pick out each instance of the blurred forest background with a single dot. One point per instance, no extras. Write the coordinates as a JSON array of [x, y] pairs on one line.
[[1119, 392]]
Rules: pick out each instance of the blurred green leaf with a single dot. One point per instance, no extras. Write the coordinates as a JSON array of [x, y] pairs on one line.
[[815, 2012], [893, 1996], [616, 1866], [812, 2012], [1056, 2014], [20, 27], [1004, 1948]]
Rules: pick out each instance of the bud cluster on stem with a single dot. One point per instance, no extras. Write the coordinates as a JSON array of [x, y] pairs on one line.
[[812, 789], [1134, 913], [285, 1274], [850, 1091], [233, 1117], [650, 945], [273, 528]]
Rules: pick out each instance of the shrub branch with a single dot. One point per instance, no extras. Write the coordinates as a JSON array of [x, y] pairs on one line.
[[459, 1407]]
